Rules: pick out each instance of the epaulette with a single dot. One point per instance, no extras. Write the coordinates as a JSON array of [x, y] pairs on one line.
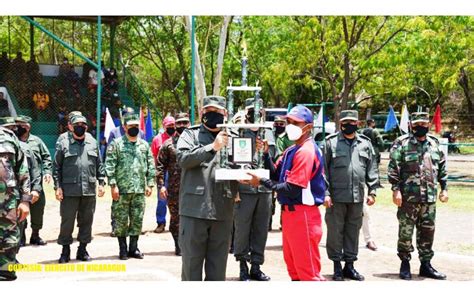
[[403, 138], [331, 136], [432, 137], [194, 126], [364, 137]]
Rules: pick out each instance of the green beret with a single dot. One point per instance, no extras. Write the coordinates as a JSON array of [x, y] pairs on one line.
[[349, 115]]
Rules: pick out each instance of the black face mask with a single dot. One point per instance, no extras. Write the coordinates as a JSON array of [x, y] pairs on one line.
[[349, 128], [212, 119], [279, 130], [180, 129], [21, 131], [170, 131], [3, 103], [420, 131], [79, 130], [133, 131], [251, 116]]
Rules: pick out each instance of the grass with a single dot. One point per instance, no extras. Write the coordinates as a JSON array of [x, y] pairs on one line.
[[466, 150], [461, 198]]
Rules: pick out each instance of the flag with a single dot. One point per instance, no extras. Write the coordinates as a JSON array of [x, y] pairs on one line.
[[437, 119], [109, 124], [404, 119], [319, 119], [148, 127], [142, 121], [392, 120]]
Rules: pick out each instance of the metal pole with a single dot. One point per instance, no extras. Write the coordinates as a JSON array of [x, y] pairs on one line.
[[32, 41], [73, 41], [56, 38], [99, 75], [193, 61], [323, 111], [112, 46], [9, 39]]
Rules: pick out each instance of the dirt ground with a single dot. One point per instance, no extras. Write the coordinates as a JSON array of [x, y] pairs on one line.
[[453, 249]]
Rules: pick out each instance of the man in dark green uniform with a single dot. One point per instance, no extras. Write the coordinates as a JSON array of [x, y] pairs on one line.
[[41, 154], [33, 168], [76, 169], [252, 212], [416, 165], [349, 166], [205, 206], [15, 200]]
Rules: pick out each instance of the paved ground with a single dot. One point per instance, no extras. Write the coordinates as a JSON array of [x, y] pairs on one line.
[[453, 249]]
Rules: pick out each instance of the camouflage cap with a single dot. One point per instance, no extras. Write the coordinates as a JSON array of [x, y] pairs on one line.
[[127, 110], [349, 115], [71, 115], [23, 119], [182, 116], [7, 121], [250, 103], [131, 119], [279, 118], [214, 101], [420, 117], [78, 119]]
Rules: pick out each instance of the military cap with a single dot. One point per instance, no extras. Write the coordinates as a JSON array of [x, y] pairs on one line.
[[127, 110], [71, 115], [6, 121], [214, 101], [349, 115], [182, 116], [78, 119], [131, 119], [420, 117], [279, 118], [370, 120], [250, 103], [23, 119]]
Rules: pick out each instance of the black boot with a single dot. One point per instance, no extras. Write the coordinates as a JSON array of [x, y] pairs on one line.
[[244, 275], [350, 272], [35, 239], [426, 270], [82, 253], [123, 247], [177, 249], [337, 272], [65, 254], [405, 273], [6, 275], [133, 251], [22, 238], [257, 274]]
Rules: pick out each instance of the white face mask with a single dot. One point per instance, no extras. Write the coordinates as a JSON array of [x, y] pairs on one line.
[[294, 132]]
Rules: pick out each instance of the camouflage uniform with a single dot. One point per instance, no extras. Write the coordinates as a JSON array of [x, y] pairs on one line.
[[14, 188], [414, 168], [130, 166]]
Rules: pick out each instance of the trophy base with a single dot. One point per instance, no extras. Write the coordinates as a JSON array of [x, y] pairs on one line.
[[240, 174]]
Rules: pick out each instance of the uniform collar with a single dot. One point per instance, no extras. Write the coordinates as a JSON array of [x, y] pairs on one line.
[[341, 137]]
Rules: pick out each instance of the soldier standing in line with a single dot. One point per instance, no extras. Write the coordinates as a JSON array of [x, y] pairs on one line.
[[205, 206], [131, 172], [350, 166], [33, 168], [166, 163], [252, 212], [15, 199], [76, 169], [416, 165], [44, 169]]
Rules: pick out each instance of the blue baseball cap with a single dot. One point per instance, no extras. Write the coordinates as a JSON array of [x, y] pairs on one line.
[[300, 113]]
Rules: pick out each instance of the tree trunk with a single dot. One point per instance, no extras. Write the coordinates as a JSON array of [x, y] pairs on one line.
[[199, 84], [464, 83], [220, 56]]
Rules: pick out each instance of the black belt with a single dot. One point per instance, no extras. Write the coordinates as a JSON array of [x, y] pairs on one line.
[[290, 208]]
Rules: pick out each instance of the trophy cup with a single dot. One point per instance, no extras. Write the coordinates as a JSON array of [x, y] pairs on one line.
[[242, 148]]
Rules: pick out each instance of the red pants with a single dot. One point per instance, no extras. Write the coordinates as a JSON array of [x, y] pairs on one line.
[[302, 233]]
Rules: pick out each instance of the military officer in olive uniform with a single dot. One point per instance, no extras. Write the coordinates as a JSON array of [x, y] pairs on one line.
[[33, 168], [416, 165], [205, 206], [76, 169], [15, 199], [253, 211], [350, 166], [131, 173], [44, 169]]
